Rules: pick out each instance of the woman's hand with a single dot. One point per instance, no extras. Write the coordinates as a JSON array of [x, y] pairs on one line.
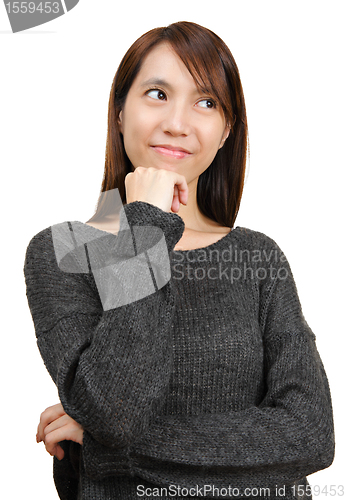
[[55, 426], [162, 188]]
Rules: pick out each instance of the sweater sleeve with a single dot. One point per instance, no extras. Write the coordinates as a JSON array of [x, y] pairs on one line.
[[289, 435], [111, 367]]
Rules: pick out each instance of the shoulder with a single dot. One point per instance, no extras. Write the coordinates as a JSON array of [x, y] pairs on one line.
[[260, 252], [270, 273], [257, 241], [60, 244], [39, 246], [52, 249], [58, 282], [42, 236]]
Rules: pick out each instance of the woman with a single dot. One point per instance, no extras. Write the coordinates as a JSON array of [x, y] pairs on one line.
[[201, 377]]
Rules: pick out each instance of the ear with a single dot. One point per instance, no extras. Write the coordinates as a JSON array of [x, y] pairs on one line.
[[120, 123], [225, 135]]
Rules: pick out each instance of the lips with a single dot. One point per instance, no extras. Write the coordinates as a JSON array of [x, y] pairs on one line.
[[171, 151]]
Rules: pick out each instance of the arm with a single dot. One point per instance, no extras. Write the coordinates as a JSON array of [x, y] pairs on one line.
[[111, 367], [286, 437]]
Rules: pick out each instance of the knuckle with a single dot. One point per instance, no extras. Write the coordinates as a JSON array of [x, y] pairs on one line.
[[45, 415], [49, 440], [45, 431]]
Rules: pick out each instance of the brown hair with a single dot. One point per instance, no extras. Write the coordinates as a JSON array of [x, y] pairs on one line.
[[211, 64]]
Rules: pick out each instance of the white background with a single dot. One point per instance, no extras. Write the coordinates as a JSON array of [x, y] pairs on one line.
[[54, 90]]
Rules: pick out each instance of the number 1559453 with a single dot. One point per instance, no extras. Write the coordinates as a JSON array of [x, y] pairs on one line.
[[32, 7]]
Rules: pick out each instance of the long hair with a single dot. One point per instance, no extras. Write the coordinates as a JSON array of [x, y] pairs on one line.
[[211, 64]]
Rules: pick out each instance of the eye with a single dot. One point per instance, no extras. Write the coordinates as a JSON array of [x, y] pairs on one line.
[[207, 103], [156, 94]]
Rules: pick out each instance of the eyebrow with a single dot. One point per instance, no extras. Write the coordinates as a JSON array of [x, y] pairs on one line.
[[162, 83], [156, 81]]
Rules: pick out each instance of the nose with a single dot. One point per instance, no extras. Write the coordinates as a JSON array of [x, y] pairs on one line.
[[177, 120]]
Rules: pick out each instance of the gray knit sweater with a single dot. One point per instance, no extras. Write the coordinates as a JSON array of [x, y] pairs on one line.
[[205, 387]]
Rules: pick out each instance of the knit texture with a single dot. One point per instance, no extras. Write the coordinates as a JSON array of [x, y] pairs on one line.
[[214, 379]]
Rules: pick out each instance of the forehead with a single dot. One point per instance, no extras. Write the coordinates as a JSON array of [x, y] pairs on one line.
[[163, 64]]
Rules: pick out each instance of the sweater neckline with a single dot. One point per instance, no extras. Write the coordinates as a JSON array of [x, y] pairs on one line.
[[221, 241], [217, 243]]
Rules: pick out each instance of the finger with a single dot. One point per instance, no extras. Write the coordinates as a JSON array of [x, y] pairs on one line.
[[51, 413], [56, 424], [175, 204], [183, 196], [72, 431], [59, 452], [180, 193], [183, 189], [175, 201], [38, 438], [53, 438], [47, 416], [55, 451]]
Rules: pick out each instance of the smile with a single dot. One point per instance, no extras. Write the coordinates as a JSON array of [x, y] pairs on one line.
[[171, 151]]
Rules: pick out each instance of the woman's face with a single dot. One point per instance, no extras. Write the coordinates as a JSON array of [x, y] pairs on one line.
[[167, 122]]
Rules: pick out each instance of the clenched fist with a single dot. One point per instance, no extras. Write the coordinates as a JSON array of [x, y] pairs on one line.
[[162, 188]]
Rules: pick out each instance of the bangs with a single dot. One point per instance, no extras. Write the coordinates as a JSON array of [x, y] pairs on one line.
[[204, 62]]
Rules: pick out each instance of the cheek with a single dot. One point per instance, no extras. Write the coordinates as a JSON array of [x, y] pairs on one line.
[[211, 140], [133, 130], [138, 128]]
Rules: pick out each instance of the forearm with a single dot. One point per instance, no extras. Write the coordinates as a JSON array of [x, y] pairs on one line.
[[110, 366], [110, 384]]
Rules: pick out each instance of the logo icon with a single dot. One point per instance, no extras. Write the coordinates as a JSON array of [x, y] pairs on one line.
[[26, 15], [126, 268]]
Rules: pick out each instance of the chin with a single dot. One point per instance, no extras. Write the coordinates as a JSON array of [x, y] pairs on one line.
[[166, 166]]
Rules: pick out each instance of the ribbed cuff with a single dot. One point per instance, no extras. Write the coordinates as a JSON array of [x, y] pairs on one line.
[[99, 461], [141, 213]]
